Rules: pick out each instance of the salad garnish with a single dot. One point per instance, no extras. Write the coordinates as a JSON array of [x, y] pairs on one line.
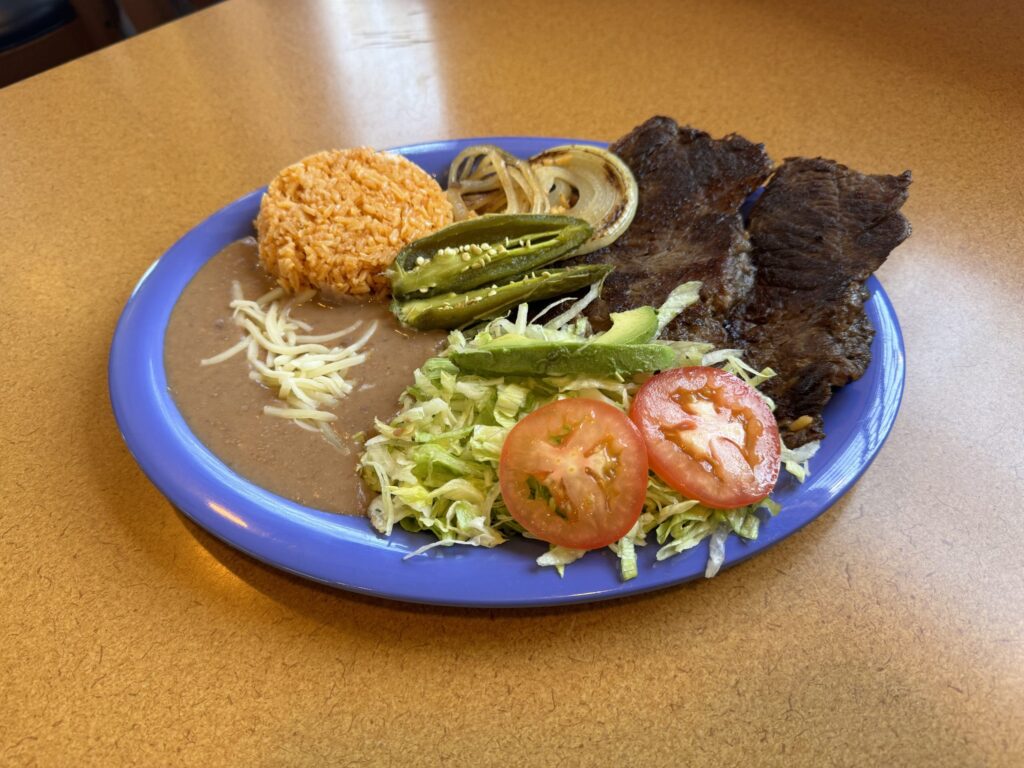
[[436, 465]]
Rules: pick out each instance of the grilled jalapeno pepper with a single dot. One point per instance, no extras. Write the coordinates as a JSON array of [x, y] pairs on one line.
[[484, 251], [452, 310]]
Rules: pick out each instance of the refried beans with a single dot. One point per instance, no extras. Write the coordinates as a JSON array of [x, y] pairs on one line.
[[224, 408]]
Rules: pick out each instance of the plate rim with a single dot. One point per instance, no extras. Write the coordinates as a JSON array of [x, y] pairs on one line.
[[195, 501]]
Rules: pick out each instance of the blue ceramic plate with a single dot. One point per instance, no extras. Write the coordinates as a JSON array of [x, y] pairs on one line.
[[345, 551]]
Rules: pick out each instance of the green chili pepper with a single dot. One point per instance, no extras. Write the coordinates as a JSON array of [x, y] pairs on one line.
[[452, 310], [484, 251]]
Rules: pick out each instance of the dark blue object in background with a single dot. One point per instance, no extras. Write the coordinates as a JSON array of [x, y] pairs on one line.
[[22, 21]]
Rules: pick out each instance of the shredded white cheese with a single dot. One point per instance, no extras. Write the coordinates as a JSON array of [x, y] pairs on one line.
[[307, 375]]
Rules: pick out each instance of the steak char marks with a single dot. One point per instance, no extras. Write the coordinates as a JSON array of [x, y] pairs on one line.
[[687, 226], [818, 233], [789, 290]]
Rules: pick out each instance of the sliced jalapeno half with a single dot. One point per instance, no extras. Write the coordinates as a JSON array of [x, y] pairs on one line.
[[484, 251], [453, 310]]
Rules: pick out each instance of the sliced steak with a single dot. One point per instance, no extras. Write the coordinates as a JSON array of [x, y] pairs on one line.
[[687, 226], [818, 232], [796, 302]]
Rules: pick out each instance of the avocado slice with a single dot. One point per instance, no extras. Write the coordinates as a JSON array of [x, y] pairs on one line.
[[564, 358], [622, 349], [637, 326]]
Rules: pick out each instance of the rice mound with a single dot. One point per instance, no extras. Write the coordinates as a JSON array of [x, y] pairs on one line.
[[337, 219]]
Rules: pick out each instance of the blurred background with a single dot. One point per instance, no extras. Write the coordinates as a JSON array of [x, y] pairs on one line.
[[38, 34]]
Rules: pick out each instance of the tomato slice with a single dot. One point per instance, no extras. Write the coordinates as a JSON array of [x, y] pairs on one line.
[[709, 435], [574, 473]]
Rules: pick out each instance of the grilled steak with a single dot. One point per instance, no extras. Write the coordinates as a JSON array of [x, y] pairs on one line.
[[796, 301], [818, 233], [687, 226]]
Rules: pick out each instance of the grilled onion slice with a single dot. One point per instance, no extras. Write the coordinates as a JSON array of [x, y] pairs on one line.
[[575, 180], [591, 184], [487, 179]]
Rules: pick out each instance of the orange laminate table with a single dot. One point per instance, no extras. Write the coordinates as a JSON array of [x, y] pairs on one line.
[[887, 632]]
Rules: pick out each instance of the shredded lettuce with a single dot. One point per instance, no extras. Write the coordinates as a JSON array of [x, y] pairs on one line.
[[730, 360], [796, 460], [716, 551], [679, 299], [434, 466], [559, 557]]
